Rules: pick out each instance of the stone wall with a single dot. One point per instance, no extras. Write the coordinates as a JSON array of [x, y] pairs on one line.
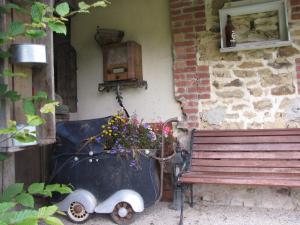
[[237, 90], [247, 89]]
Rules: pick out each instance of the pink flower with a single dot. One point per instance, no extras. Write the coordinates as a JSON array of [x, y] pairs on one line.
[[166, 131]]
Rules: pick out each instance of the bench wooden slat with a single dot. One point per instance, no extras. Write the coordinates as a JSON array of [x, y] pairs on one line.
[[245, 169], [239, 175], [245, 181], [252, 132], [248, 147], [247, 163], [250, 157], [253, 139], [246, 155]]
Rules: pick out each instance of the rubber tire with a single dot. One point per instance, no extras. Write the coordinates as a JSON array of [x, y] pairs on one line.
[[123, 221], [72, 217]]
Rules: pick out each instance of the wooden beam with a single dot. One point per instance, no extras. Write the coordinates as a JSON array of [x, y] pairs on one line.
[[43, 80]]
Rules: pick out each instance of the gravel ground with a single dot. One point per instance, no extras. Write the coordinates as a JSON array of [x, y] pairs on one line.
[[207, 215]]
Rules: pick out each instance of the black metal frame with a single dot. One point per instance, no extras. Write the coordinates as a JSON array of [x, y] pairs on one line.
[[113, 85], [184, 186]]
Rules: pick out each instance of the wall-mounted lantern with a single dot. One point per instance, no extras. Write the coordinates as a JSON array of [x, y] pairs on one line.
[[28, 54]]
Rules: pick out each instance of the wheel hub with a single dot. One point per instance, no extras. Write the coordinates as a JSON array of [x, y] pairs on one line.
[[122, 212], [77, 212], [78, 209]]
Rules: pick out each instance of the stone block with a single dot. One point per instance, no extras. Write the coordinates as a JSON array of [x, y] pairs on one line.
[[244, 73], [230, 94], [287, 51], [221, 73], [239, 107], [267, 78], [234, 83], [250, 65], [249, 114], [285, 103], [283, 90], [255, 91], [262, 105]]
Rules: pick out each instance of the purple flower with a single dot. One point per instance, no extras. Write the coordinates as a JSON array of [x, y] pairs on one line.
[[113, 151], [133, 163], [98, 140]]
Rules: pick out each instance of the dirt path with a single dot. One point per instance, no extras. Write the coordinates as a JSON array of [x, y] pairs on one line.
[[207, 215]]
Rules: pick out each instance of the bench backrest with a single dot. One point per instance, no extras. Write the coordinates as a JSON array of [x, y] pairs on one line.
[[251, 151]]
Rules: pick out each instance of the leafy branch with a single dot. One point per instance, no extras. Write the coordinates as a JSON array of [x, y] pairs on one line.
[[15, 195]]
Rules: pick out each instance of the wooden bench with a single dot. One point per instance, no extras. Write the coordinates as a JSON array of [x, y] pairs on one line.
[[244, 157]]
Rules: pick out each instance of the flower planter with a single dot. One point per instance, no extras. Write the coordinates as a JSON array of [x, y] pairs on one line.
[[98, 171]]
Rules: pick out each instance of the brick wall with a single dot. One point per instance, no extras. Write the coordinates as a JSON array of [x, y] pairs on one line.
[[191, 80], [295, 9]]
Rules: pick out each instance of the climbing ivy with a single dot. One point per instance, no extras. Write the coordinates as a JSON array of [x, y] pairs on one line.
[[43, 18]]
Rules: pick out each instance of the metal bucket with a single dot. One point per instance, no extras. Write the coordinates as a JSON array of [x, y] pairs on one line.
[[28, 54]]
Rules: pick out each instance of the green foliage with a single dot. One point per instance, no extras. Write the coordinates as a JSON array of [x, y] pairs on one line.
[[58, 27], [63, 9], [43, 17], [3, 156], [16, 28], [15, 195], [9, 73]]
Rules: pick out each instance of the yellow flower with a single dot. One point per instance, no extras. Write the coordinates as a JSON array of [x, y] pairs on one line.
[[103, 126]]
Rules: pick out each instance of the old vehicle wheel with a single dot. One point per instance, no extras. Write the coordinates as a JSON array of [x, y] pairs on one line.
[[77, 212], [123, 214]]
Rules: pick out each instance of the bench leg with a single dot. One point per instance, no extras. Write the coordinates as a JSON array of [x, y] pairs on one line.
[[191, 196], [181, 205]]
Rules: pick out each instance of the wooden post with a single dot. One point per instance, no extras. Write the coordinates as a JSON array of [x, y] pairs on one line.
[[7, 167], [43, 80]]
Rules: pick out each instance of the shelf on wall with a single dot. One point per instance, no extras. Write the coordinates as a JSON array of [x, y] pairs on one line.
[[256, 15], [113, 85], [256, 45]]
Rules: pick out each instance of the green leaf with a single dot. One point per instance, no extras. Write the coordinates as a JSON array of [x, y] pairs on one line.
[[2, 223], [11, 191], [12, 6], [40, 96], [28, 222], [24, 137], [3, 156], [58, 27], [3, 89], [19, 216], [47, 211], [100, 4], [38, 11], [36, 188], [9, 73], [83, 6], [5, 206], [62, 9], [25, 199], [12, 95], [53, 221], [4, 54], [60, 188], [11, 128], [49, 108], [35, 33], [28, 106], [16, 28], [35, 120]]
